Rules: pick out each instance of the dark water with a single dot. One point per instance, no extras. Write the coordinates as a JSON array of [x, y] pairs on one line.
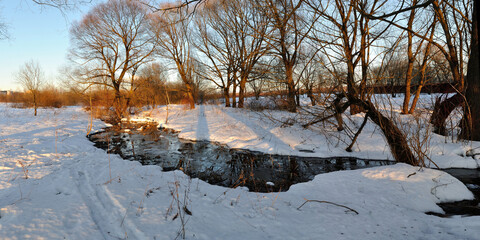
[[471, 179], [220, 165]]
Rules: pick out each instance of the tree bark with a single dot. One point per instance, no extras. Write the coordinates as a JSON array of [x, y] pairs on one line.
[[411, 59], [423, 70], [312, 98], [226, 95], [471, 125], [190, 98], [234, 93], [118, 107], [35, 103], [395, 138], [291, 105], [415, 99], [241, 96], [442, 110]]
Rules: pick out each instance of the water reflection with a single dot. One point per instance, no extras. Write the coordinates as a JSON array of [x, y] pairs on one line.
[[218, 164]]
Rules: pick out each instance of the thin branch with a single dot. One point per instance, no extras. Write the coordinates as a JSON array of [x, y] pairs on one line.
[[394, 13], [349, 148], [332, 203], [185, 3]]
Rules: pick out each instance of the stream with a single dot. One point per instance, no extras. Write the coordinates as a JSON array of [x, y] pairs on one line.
[[220, 165]]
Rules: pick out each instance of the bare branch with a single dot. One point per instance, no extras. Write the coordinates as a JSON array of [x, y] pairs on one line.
[[327, 202]]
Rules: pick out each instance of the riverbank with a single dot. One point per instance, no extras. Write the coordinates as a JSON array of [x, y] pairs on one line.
[[280, 132]]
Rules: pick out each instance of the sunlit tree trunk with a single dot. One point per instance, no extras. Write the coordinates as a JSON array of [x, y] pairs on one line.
[[411, 60], [226, 96], [234, 93], [423, 70]]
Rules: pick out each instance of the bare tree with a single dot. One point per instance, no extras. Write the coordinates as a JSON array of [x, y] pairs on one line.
[[215, 41], [150, 86], [31, 78], [110, 43], [236, 42], [259, 78], [290, 29], [250, 29], [350, 35], [423, 75], [453, 41], [311, 74], [413, 53], [172, 31]]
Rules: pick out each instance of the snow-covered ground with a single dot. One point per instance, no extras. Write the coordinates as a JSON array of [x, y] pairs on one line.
[[76, 191]]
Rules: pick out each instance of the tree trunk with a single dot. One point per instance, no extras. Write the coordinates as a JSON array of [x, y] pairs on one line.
[[118, 106], [241, 96], [408, 76], [395, 138], [442, 110], [312, 98], [190, 98], [423, 80], [471, 125], [234, 93], [257, 95], [291, 105], [423, 70], [408, 84], [35, 104], [415, 99], [226, 94], [339, 110], [411, 59], [352, 91]]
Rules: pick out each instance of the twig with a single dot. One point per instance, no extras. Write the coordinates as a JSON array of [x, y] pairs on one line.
[[336, 204], [349, 148]]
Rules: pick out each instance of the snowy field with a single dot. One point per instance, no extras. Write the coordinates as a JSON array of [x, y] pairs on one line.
[[54, 184]]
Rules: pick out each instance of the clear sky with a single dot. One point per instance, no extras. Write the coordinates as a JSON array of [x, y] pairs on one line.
[[35, 33]]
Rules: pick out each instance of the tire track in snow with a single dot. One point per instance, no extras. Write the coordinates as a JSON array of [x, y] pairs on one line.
[[106, 212]]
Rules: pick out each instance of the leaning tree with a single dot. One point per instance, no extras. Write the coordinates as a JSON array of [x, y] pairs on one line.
[[453, 16]]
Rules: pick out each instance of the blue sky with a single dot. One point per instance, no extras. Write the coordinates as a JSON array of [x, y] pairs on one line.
[[35, 33]]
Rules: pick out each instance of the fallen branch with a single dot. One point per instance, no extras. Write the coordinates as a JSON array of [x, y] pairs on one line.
[[332, 203]]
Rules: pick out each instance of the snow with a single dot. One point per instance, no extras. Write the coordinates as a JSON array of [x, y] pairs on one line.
[[76, 191]]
